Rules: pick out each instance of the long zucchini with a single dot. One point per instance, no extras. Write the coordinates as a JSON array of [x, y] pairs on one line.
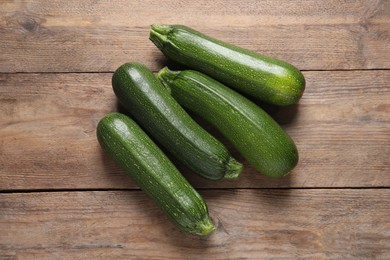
[[142, 94], [271, 80], [154, 173], [251, 130]]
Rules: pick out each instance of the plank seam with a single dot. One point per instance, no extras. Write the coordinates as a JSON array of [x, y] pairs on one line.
[[200, 189], [108, 72]]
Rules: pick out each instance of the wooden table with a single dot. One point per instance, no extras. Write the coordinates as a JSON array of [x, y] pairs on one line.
[[62, 198]]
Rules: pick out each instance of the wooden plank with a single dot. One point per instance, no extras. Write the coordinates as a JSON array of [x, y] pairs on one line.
[[251, 224], [76, 36], [47, 133]]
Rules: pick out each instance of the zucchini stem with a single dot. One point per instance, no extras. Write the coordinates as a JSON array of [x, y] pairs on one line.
[[158, 35], [205, 227], [233, 169], [166, 76]]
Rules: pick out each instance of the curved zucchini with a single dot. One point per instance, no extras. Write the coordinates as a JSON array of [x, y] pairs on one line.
[[270, 80], [154, 173], [251, 130], [142, 94]]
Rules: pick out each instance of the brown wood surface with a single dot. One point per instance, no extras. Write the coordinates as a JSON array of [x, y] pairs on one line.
[[48, 139], [62, 198], [252, 224], [91, 35]]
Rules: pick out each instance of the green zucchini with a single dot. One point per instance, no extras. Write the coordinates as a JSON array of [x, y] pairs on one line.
[[151, 105], [154, 173], [254, 133], [270, 80]]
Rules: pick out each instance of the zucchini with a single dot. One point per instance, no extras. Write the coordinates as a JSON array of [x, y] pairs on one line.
[[154, 173], [254, 133], [270, 80], [151, 105]]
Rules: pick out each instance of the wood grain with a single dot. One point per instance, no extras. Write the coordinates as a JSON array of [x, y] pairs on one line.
[[91, 36], [251, 224], [47, 133]]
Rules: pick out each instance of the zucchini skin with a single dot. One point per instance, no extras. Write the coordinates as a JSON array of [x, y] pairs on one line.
[[154, 173], [254, 133], [151, 105], [270, 80]]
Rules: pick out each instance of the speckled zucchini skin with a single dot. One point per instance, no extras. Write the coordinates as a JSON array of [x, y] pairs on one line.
[[142, 94], [270, 80], [154, 173], [251, 130]]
